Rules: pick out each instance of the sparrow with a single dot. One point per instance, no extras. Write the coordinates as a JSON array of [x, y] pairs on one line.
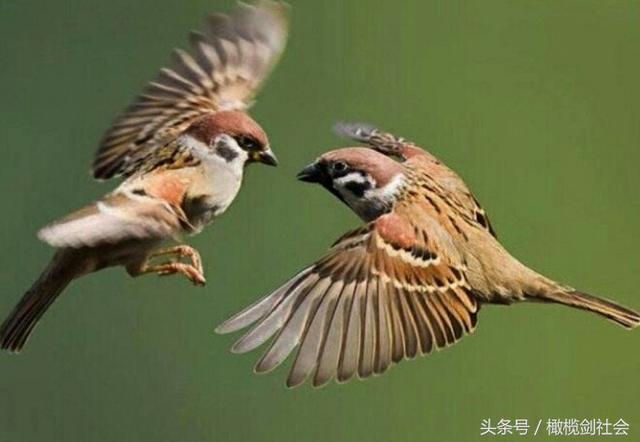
[[411, 280], [181, 147]]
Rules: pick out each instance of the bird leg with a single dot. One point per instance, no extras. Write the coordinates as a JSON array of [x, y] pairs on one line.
[[179, 252], [193, 271]]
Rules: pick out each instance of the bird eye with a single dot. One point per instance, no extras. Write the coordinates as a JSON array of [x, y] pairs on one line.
[[247, 143], [339, 166]]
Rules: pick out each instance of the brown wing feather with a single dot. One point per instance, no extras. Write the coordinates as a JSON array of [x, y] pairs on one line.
[[399, 147], [231, 59], [117, 217], [379, 296], [381, 141]]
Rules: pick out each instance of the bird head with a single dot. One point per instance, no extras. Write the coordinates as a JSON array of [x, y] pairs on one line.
[[232, 137], [365, 180]]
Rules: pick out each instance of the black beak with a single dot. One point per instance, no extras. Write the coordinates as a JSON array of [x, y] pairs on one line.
[[265, 157], [310, 174]]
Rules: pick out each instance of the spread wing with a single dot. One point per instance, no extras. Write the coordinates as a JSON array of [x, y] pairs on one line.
[[378, 296], [118, 217], [230, 59], [384, 142], [398, 147]]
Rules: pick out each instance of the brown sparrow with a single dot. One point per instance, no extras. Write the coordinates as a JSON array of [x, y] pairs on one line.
[[182, 147], [409, 281]]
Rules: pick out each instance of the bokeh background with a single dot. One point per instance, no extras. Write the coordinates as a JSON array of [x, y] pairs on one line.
[[535, 103]]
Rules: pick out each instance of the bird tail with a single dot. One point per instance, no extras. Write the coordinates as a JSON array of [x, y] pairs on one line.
[[617, 313], [19, 325]]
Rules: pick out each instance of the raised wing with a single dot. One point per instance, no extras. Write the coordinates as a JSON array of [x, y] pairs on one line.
[[379, 296], [422, 161], [231, 58], [384, 142]]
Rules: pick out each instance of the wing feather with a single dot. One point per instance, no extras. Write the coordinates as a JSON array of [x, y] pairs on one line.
[[365, 305], [398, 147], [274, 320], [369, 331], [398, 333], [310, 348], [422, 324], [409, 326], [348, 365], [230, 60], [332, 345], [291, 334], [118, 217], [385, 331], [261, 307]]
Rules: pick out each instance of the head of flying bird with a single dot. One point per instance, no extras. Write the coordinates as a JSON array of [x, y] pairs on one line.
[[232, 138], [365, 180]]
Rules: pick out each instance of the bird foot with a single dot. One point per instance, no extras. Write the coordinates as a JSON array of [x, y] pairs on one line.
[[180, 252], [192, 271]]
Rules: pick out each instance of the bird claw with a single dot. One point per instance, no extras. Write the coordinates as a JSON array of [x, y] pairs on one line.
[[193, 271], [190, 272], [180, 252]]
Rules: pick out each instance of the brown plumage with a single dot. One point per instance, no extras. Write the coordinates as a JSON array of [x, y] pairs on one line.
[[411, 280], [232, 56], [183, 146]]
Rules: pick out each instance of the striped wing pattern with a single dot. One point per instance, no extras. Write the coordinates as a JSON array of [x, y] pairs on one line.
[[396, 146], [369, 303], [230, 59], [381, 141]]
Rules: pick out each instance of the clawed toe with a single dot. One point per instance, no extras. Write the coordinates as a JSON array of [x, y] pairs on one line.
[[180, 252], [190, 272], [199, 280]]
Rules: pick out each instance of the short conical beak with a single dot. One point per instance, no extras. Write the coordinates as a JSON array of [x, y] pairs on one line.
[[266, 157], [310, 174]]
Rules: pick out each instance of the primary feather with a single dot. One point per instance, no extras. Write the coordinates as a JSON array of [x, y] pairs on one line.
[[230, 59]]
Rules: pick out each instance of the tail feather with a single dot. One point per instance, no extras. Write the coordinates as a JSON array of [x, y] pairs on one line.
[[17, 328], [617, 313]]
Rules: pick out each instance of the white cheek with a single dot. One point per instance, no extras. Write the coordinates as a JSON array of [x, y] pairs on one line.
[[227, 170], [196, 146], [353, 177], [210, 153], [386, 192]]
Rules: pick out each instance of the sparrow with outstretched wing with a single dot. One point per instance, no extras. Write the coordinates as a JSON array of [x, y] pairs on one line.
[[411, 280], [182, 146]]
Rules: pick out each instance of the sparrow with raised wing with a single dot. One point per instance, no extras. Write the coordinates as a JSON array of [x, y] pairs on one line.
[[411, 280], [182, 147]]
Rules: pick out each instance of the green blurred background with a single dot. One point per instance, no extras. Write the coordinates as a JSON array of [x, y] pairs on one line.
[[535, 103]]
